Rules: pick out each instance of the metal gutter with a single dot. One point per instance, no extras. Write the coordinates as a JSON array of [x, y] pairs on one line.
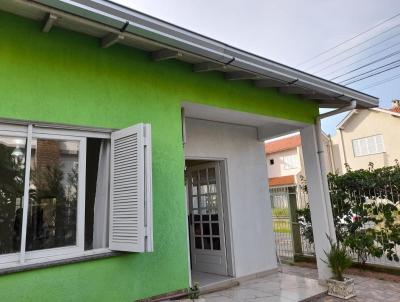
[[118, 17], [321, 157]]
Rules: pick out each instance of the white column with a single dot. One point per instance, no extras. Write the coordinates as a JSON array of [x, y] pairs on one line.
[[320, 205]]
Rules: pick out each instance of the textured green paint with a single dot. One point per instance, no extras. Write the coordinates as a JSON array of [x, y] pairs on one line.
[[67, 78]]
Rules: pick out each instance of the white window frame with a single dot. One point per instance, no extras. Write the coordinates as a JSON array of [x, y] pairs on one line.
[[358, 151], [29, 132]]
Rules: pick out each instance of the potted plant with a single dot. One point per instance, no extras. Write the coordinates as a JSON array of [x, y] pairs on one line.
[[339, 260], [193, 294]]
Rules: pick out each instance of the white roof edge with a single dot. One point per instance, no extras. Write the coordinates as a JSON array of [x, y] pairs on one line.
[[386, 111], [126, 19], [351, 113], [346, 118], [281, 137]]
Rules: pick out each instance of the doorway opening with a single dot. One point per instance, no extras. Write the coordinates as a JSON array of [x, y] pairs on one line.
[[208, 225]]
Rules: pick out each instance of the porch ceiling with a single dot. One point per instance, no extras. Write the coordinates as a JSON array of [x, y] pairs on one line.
[[267, 127], [112, 24]]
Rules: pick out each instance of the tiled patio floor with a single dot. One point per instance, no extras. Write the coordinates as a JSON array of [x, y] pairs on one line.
[[280, 287], [298, 283], [367, 289]]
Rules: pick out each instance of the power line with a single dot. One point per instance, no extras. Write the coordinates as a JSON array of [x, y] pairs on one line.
[[368, 64], [350, 39], [371, 75], [356, 54], [381, 82], [350, 48], [366, 72]]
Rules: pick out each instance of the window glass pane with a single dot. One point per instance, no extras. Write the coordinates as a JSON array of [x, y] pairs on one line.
[[12, 173], [289, 162], [53, 194], [379, 143], [363, 147], [97, 193], [356, 148], [371, 145]]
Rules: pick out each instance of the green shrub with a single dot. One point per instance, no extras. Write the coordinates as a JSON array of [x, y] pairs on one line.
[[366, 211]]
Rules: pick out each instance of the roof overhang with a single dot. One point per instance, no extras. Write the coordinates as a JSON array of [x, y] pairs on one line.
[[113, 23]]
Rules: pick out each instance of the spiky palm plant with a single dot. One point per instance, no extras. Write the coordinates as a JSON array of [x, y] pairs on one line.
[[337, 259]]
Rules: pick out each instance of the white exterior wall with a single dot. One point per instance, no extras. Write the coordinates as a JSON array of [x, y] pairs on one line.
[[250, 211], [278, 168]]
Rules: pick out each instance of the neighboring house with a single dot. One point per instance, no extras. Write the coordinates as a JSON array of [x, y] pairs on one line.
[[367, 136], [285, 162], [362, 137], [105, 114]]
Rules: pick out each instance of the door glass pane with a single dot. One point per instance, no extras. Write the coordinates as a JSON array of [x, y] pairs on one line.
[[197, 243], [53, 194], [215, 228], [205, 217], [216, 244], [197, 229], [206, 229], [194, 183], [207, 243], [195, 202], [203, 181], [214, 217], [12, 173], [203, 201], [212, 181], [213, 201]]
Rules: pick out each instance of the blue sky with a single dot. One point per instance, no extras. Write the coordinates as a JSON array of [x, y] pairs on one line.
[[291, 32]]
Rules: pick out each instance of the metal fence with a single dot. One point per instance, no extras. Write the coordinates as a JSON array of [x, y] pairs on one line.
[[285, 201]]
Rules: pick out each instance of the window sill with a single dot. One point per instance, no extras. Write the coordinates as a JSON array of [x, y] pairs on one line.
[[51, 262], [365, 155]]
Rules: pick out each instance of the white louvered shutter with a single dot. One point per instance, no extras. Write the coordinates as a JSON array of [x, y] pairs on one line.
[[130, 190]]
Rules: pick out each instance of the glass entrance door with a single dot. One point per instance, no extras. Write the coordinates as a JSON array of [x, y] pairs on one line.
[[206, 220]]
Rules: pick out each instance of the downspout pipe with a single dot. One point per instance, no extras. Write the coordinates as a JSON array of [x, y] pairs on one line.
[[321, 158]]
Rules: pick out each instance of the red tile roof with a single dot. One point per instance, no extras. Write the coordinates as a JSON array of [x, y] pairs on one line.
[[281, 181], [283, 144]]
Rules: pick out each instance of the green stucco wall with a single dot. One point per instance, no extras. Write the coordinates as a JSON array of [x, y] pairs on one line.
[[66, 77]]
